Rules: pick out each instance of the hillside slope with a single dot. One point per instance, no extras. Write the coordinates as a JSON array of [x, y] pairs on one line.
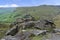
[[43, 12], [5, 12]]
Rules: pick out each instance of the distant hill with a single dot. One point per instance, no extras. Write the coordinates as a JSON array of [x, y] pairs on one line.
[[43, 11], [5, 12], [39, 12]]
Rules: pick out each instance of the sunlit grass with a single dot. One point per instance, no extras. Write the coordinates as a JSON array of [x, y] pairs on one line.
[[37, 37]]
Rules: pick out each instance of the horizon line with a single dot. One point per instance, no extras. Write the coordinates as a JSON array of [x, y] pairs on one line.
[[14, 5]]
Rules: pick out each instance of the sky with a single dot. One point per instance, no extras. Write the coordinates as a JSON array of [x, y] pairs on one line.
[[22, 3]]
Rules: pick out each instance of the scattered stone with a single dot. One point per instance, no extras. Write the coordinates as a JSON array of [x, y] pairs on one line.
[[57, 30], [38, 32]]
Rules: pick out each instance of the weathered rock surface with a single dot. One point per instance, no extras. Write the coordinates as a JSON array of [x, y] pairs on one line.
[[19, 36], [38, 32], [28, 17], [43, 24], [10, 38], [52, 37], [27, 22], [13, 31]]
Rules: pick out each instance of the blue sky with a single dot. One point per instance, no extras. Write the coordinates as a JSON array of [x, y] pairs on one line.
[[16, 3]]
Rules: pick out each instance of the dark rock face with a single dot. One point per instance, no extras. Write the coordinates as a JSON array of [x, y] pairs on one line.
[[26, 35], [13, 31], [49, 22], [39, 24], [29, 24], [42, 24], [20, 36]]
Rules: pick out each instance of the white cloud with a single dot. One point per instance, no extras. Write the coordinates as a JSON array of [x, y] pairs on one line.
[[10, 5]]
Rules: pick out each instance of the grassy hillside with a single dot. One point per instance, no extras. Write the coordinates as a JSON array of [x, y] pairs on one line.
[[57, 21], [38, 11], [5, 12], [43, 12]]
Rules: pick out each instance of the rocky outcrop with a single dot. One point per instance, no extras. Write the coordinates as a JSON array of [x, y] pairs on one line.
[[27, 22], [25, 35], [20, 36], [13, 31], [39, 32], [10, 38], [44, 24]]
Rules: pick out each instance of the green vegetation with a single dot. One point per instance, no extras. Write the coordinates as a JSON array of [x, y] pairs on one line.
[[5, 13], [57, 21], [43, 12], [3, 29], [8, 15], [37, 38]]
